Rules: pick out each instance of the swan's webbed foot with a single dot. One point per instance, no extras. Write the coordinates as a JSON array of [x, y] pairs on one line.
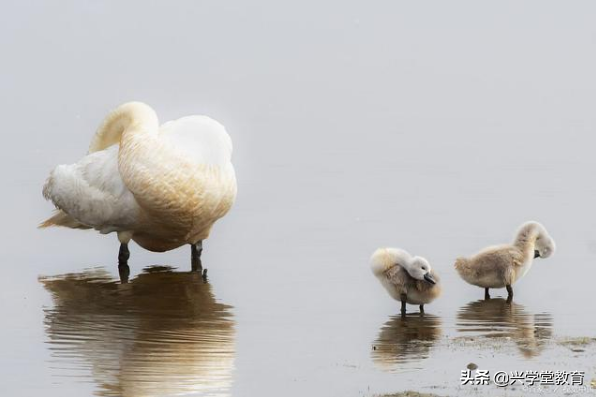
[[509, 293], [123, 254], [486, 294], [195, 257], [421, 309]]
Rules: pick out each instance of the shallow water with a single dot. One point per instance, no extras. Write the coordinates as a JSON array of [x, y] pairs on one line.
[[162, 333], [353, 128]]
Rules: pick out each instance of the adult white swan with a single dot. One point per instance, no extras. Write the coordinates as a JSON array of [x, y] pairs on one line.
[[162, 186]]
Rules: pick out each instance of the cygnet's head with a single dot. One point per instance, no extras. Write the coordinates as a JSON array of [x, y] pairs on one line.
[[544, 246], [419, 268]]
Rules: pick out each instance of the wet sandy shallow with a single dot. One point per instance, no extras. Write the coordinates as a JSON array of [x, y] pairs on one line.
[[165, 332]]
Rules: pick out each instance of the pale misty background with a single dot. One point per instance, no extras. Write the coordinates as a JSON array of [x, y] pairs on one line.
[[438, 127]]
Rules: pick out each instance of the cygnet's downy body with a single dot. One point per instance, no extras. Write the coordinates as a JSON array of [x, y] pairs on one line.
[[408, 279], [501, 266]]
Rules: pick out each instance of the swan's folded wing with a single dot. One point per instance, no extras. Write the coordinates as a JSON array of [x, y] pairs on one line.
[[93, 193]]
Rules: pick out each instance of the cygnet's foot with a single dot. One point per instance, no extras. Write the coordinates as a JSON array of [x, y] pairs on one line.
[[422, 309], [486, 294]]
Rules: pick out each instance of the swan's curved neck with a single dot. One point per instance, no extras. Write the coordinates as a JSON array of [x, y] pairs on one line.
[[407, 264], [397, 257], [527, 235], [127, 119]]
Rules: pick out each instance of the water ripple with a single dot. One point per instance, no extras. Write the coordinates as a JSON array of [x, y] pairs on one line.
[[163, 333]]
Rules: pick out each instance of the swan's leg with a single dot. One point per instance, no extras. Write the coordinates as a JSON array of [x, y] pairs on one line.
[[123, 268], [123, 256], [509, 293], [124, 253], [404, 298], [124, 272], [486, 294], [421, 308], [195, 256]]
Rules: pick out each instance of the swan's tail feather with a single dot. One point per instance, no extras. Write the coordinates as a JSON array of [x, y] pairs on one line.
[[61, 218]]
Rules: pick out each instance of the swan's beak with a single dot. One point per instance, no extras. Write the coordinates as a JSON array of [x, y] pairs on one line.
[[536, 254], [429, 278]]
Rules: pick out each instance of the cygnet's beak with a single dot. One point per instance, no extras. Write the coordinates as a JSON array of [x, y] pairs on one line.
[[536, 254], [429, 278]]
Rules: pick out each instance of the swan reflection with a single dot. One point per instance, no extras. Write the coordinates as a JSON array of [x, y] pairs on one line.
[[163, 333], [403, 339], [496, 318]]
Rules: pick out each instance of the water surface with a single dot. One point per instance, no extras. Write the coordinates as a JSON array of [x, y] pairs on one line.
[[161, 333], [436, 129]]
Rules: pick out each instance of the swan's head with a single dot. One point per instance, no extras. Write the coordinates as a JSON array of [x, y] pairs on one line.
[[534, 233], [420, 269], [544, 246]]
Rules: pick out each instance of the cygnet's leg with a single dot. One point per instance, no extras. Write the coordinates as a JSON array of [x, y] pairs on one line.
[[403, 298], [421, 309], [509, 293], [486, 294], [195, 256]]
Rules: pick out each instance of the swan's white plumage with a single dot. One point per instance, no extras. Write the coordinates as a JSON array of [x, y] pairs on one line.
[[212, 148], [92, 192], [165, 185]]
